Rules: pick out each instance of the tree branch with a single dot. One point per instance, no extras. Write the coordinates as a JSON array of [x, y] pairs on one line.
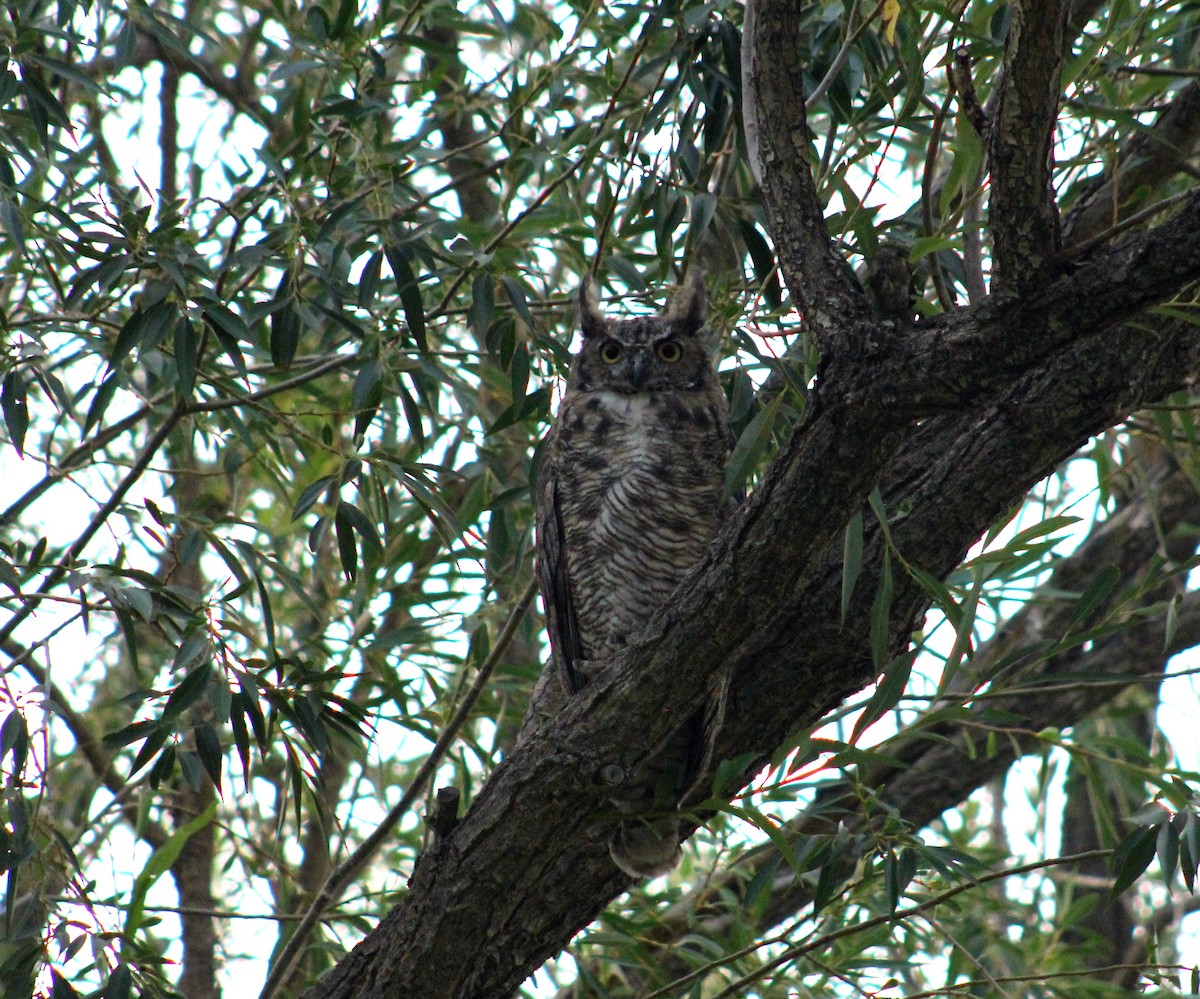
[[528, 864], [1027, 382], [1128, 540], [1024, 213], [955, 358], [821, 284], [345, 872], [1149, 159]]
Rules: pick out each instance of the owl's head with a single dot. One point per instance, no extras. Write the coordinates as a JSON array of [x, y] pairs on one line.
[[647, 354]]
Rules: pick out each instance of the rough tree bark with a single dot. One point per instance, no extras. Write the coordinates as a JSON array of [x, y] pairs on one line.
[[956, 418]]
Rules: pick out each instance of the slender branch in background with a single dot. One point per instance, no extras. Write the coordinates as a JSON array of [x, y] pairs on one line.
[[945, 296], [136, 470], [839, 60], [543, 195], [168, 137], [77, 456], [344, 873], [1080, 249], [931, 777], [1149, 159], [75, 459], [86, 742], [964, 86], [147, 50], [821, 942]]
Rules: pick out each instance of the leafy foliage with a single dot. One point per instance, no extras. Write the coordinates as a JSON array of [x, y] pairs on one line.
[[286, 297]]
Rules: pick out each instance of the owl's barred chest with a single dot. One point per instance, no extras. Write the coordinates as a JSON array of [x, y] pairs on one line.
[[638, 484], [619, 451]]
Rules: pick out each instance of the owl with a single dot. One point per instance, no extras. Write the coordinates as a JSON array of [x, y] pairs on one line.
[[628, 501]]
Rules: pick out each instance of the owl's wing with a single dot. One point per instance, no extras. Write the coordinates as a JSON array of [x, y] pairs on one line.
[[566, 648]]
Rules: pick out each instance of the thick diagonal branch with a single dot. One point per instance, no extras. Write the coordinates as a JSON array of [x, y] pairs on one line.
[[528, 864], [1047, 683]]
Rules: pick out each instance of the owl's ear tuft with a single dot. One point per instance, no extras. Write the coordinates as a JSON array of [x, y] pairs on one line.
[[689, 304], [591, 319]]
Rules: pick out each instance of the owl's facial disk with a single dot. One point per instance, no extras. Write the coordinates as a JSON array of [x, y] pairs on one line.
[[659, 353], [632, 362]]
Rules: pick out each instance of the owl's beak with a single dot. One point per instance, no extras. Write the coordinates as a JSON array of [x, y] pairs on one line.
[[639, 369]]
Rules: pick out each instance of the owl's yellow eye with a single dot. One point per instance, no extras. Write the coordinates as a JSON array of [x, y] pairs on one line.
[[669, 351], [610, 352]]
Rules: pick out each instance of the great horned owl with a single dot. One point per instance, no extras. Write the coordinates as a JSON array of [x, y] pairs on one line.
[[628, 502]]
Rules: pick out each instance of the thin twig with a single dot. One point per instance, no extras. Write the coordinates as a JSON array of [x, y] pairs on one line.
[[738, 987], [136, 470], [947, 300], [968, 99], [1079, 249], [345, 872], [843, 54]]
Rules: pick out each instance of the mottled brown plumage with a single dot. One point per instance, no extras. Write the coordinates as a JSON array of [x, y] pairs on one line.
[[628, 502]]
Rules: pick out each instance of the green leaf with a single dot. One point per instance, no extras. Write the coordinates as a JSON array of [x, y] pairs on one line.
[[1095, 594], [10, 217], [163, 767], [887, 695], [346, 13], [60, 988], [964, 167], [100, 401], [253, 711], [142, 330], [285, 334], [241, 735], [537, 403], [898, 871], [771, 827], [704, 206], [368, 281], [14, 738], [750, 448], [310, 494], [410, 293], [366, 395], [833, 871], [519, 371], [15, 406], [229, 329], [188, 692], [208, 748], [852, 549], [516, 298], [1132, 856], [1166, 849], [881, 613], [120, 983], [347, 546], [161, 861], [130, 733], [363, 525], [154, 742], [483, 304], [1171, 624]]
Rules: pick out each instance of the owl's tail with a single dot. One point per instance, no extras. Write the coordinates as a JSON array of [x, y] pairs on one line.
[[646, 848]]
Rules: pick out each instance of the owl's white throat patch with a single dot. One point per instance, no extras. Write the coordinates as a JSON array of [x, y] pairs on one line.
[[626, 406]]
